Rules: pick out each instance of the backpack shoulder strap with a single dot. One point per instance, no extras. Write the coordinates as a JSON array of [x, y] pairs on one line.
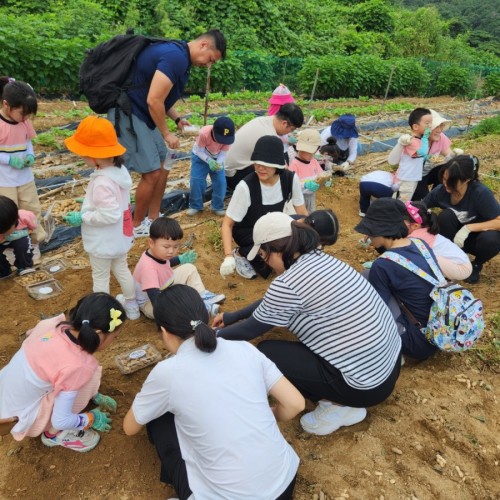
[[432, 263], [408, 264]]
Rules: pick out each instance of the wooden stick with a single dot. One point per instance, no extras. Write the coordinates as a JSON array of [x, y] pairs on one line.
[[207, 93], [312, 96], [382, 106]]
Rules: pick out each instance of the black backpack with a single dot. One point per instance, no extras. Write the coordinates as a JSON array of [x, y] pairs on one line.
[[106, 73]]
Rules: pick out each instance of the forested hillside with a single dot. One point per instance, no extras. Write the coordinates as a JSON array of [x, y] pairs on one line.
[[480, 19], [268, 40]]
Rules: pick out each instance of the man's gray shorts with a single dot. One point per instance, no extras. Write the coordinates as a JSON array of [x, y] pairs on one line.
[[146, 150]]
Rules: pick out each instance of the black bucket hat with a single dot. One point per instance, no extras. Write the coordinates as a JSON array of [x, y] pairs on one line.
[[384, 217], [268, 151]]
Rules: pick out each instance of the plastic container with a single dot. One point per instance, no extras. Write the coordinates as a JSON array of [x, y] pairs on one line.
[[49, 223], [45, 289], [138, 358], [55, 266], [33, 278], [191, 130]]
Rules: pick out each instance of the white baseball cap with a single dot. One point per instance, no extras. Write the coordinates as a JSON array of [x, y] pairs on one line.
[[270, 227]]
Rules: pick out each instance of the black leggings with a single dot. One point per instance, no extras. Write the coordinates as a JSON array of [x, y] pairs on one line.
[[317, 379], [163, 434], [484, 245]]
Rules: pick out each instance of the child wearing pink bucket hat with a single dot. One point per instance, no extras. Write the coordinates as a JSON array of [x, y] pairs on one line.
[[106, 215], [281, 95]]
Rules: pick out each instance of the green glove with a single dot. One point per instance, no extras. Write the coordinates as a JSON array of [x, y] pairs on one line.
[[213, 165], [188, 257], [79, 200], [311, 186], [102, 422], [329, 183], [105, 402], [17, 235], [16, 162], [73, 218], [29, 160], [292, 139]]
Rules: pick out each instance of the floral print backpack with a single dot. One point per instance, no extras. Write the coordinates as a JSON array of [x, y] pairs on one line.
[[456, 317]]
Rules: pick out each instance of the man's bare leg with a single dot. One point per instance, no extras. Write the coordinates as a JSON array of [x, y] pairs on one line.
[[143, 195], [159, 191]]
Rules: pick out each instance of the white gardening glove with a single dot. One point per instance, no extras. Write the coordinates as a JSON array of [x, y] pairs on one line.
[[458, 151], [228, 266], [461, 236], [346, 166], [404, 140]]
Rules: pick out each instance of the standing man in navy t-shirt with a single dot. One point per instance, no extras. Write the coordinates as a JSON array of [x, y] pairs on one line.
[[160, 73]]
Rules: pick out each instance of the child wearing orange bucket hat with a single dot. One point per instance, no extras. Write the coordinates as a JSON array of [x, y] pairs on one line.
[[105, 216]]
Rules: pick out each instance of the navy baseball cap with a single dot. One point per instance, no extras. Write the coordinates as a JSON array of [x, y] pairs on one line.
[[223, 129]]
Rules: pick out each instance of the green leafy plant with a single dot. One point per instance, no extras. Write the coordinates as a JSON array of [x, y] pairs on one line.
[[454, 80], [492, 84]]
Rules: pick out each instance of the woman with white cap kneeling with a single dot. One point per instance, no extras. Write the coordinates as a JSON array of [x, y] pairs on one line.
[[348, 354]]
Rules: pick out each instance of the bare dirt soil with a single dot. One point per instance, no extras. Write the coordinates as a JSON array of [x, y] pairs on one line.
[[437, 436]]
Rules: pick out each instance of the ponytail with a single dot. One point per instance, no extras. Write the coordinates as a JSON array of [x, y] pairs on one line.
[[88, 339], [180, 310], [96, 311], [420, 214], [204, 337]]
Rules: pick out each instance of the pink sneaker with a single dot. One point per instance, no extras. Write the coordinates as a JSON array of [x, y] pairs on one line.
[[73, 439]]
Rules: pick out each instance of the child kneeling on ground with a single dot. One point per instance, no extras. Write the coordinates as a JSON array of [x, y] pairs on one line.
[[207, 158], [50, 380], [154, 272], [15, 229]]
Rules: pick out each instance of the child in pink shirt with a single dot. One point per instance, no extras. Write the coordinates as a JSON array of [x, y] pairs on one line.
[[207, 158], [307, 167], [153, 273], [50, 380], [18, 105]]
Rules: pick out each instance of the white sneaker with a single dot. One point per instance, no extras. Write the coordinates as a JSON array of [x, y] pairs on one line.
[[212, 298], [243, 266], [73, 439], [37, 256], [192, 211], [327, 418], [28, 270], [213, 309], [131, 307], [142, 230], [361, 214]]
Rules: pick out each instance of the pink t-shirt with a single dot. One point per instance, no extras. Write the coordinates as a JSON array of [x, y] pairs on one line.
[[14, 141], [306, 171], [151, 273], [56, 359], [205, 140], [438, 147]]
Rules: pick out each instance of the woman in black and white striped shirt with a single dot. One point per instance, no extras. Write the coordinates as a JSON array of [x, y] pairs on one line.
[[348, 354]]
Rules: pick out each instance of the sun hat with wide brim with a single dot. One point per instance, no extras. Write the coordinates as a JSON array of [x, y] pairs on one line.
[[384, 217], [344, 127], [438, 120], [95, 137], [268, 152]]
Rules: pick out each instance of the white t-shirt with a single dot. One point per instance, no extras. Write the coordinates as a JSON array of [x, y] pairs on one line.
[[228, 435], [350, 144], [240, 201], [337, 314], [410, 169], [238, 156], [380, 177]]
